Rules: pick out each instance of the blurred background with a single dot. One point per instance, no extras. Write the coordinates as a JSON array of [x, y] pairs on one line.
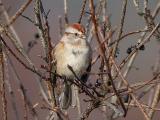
[[141, 70]]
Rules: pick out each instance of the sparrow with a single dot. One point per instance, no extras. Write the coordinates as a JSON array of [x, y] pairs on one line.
[[72, 50]]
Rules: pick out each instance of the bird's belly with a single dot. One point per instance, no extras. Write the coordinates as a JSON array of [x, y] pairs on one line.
[[78, 63]]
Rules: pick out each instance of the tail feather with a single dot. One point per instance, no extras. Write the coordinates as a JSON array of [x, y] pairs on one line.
[[66, 96]]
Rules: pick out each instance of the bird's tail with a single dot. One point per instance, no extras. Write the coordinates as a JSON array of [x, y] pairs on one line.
[[66, 96]]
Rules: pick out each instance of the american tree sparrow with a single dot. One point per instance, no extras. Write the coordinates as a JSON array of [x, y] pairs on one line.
[[73, 50]]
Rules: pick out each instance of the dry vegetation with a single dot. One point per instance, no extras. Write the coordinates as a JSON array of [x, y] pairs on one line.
[[110, 90]]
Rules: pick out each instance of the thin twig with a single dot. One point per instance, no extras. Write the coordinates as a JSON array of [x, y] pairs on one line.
[[102, 52], [124, 8], [81, 84], [19, 60], [156, 11], [25, 98], [13, 36], [127, 84], [89, 109], [139, 45], [133, 57], [49, 57], [10, 87], [133, 96], [128, 34], [66, 12], [82, 11], [146, 106], [60, 26], [2, 79], [39, 26], [18, 13], [156, 98]]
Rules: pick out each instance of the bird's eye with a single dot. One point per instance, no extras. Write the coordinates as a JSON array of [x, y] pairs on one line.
[[76, 34]]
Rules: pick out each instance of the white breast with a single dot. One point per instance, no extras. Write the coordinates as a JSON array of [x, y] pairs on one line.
[[77, 58]]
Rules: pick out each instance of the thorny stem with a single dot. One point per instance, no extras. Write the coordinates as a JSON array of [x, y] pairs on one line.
[[102, 52], [52, 81], [46, 43], [39, 26], [126, 83]]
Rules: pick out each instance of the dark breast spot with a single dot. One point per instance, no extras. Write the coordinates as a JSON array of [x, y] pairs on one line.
[[76, 52]]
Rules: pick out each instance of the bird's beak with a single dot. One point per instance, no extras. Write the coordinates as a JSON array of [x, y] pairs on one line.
[[83, 36]]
